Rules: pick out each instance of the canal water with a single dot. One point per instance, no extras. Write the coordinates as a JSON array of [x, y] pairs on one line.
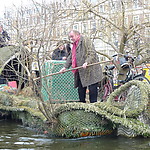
[[13, 136]]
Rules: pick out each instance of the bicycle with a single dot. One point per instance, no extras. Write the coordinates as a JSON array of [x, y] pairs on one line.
[[107, 86]]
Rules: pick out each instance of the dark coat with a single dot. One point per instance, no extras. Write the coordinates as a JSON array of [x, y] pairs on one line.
[[58, 54], [85, 52], [4, 36]]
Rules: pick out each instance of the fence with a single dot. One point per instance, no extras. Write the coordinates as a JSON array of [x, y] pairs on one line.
[[58, 88]]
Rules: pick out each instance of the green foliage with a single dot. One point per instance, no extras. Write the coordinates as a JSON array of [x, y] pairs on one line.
[[5, 99]]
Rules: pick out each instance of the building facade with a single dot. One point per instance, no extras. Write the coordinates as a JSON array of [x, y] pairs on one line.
[[47, 22]]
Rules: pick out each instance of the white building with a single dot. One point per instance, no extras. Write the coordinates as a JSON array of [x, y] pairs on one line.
[[50, 21]]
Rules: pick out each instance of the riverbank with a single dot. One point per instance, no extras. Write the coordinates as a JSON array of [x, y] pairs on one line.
[[24, 109]]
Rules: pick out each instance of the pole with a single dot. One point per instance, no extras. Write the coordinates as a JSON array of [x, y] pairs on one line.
[[71, 69]]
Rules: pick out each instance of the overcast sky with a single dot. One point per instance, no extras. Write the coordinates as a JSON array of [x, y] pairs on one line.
[[9, 3]]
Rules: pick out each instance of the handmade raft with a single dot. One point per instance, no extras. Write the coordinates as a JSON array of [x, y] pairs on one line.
[[130, 118]]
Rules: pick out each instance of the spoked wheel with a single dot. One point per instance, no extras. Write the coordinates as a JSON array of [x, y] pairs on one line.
[[105, 89], [129, 95]]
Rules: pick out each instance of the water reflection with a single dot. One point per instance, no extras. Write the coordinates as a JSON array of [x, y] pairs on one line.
[[13, 136]]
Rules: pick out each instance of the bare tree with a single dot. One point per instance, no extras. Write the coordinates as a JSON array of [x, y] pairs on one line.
[[112, 24], [120, 30]]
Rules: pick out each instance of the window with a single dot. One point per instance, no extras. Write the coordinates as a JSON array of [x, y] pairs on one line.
[[147, 2], [113, 5], [101, 8], [84, 28], [114, 38], [65, 2], [100, 34], [135, 3], [126, 21], [93, 1], [75, 14], [75, 27], [34, 20], [30, 21], [76, 2], [102, 22], [64, 30], [93, 26], [64, 14], [147, 18], [126, 5], [85, 16], [57, 32], [135, 20], [27, 21], [147, 32], [9, 23]]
